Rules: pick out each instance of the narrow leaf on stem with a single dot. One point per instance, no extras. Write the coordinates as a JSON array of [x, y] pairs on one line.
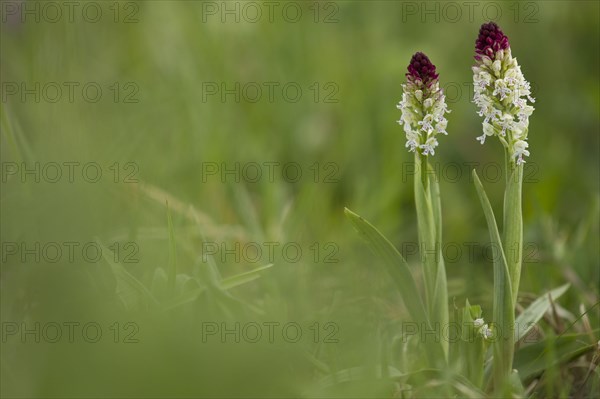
[[503, 313]]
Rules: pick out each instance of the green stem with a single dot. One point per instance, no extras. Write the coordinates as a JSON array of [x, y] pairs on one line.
[[423, 170], [425, 224], [513, 222], [427, 201]]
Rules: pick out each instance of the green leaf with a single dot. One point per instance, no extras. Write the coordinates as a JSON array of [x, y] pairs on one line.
[[535, 311], [516, 385], [503, 313], [394, 263]]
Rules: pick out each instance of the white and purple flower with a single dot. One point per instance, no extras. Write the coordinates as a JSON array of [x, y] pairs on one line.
[[423, 106], [501, 92]]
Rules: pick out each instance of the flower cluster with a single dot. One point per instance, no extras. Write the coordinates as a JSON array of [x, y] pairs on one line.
[[423, 106], [484, 329], [500, 92]]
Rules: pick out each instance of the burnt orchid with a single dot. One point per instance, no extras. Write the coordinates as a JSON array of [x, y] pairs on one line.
[[501, 92], [502, 95], [423, 106]]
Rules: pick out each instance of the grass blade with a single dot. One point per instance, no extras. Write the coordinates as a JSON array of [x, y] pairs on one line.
[[186, 297], [533, 359], [226, 284], [132, 293], [243, 278], [535, 311]]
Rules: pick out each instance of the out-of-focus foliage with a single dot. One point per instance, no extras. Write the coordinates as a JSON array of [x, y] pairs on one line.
[[168, 59]]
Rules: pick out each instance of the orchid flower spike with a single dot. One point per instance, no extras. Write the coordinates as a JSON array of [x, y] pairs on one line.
[[423, 106], [501, 92]]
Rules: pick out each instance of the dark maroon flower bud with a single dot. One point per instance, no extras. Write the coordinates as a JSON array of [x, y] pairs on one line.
[[490, 40], [421, 68]]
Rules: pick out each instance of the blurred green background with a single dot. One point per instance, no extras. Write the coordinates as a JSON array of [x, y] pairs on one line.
[[157, 122]]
